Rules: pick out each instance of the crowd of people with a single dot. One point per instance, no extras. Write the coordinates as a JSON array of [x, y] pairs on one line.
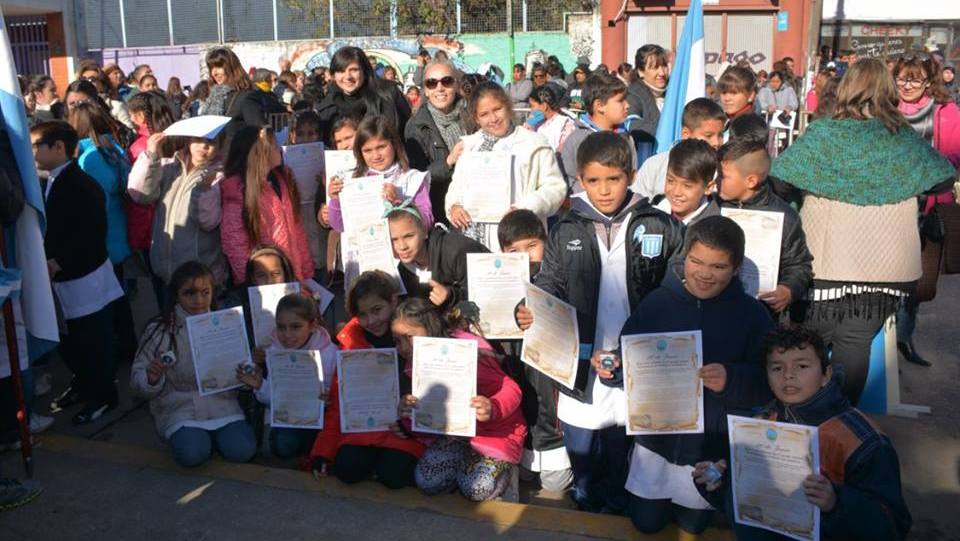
[[635, 241]]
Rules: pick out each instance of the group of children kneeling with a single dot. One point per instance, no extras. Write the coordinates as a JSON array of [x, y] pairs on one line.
[[627, 267]]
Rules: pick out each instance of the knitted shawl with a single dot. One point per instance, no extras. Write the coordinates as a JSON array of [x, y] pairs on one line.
[[861, 162]]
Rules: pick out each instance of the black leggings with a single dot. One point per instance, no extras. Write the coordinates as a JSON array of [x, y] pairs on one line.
[[356, 463]]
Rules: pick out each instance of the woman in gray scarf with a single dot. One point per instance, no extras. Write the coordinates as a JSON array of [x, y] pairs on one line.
[[433, 134]]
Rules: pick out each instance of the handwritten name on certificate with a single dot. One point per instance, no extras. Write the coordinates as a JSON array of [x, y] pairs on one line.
[[361, 202], [497, 285], [263, 309], [444, 382], [296, 382], [489, 191], [663, 389], [552, 344], [218, 343], [768, 464], [369, 386], [338, 163], [764, 234], [306, 163]]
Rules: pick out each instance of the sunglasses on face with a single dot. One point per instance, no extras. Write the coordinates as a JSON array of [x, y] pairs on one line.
[[447, 82]]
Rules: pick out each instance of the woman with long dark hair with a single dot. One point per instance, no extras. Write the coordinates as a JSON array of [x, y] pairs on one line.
[[232, 93], [356, 91]]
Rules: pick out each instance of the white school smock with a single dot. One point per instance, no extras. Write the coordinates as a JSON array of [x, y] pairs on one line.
[[607, 405]]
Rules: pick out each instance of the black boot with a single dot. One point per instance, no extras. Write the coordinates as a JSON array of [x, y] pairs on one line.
[[909, 353]]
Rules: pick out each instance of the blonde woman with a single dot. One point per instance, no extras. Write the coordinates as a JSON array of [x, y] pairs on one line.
[[260, 204], [860, 173]]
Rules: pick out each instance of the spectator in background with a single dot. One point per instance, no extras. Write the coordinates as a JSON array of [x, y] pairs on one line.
[[813, 96], [575, 90], [286, 88], [118, 109], [47, 104], [197, 97], [762, 78], [176, 97], [413, 97], [423, 58], [88, 69], [548, 119], [646, 94], [137, 74], [556, 73], [118, 81], [147, 83], [519, 89], [778, 95], [950, 81], [624, 73], [284, 64]]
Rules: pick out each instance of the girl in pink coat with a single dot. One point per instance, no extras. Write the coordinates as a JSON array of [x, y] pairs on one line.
[[261, 204]]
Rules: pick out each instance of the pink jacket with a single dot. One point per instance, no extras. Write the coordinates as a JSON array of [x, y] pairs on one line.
[[139, 215], [502, 436], [946, 128], [280, 224]]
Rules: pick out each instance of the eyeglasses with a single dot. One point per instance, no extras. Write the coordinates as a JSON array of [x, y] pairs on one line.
[[447, 82], [72, 104], [910, 83]]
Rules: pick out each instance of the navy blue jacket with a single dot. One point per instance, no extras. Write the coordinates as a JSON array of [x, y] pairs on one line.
[[733, 326]]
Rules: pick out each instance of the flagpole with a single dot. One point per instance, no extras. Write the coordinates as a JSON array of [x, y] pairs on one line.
[[14, 355]]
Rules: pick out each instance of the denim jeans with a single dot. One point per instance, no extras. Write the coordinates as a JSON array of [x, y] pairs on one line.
[[194, 446], [291, 442], [600, 462]]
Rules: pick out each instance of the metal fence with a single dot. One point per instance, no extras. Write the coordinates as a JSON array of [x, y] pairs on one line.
[[29, 45], [143, 23]]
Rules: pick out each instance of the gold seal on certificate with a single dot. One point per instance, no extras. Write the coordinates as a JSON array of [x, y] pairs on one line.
[[296, 383], [497, 285], [768, 463], [662, 384], [444, 382], [218, 342], [369, 386], [552, 344]]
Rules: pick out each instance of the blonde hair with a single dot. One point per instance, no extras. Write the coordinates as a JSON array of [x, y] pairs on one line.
[[867, 91]]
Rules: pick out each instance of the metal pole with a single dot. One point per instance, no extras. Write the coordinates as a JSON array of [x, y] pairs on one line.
[[332, 33], [170, 20], [276, 32], [219, 21], [393, 18], [459, 19], [123, 25], [510, 31], [26, 450], [523, 10]]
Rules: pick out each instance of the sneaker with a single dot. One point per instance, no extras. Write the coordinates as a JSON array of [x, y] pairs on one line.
[[13, 493], [39, 423], [70, 397], [42, 385], [92, 411]]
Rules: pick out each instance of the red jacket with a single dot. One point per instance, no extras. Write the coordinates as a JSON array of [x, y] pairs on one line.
[[139, 217], [280, 224], [330, 439]]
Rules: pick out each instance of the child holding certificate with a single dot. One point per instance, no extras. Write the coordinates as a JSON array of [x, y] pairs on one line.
[[535, 181], [744, 166], [859, 492], [484, 466], [379, 151], [163, 372], [299, 326], [390, 456], [603, 258], [433, 262], [699, 292]]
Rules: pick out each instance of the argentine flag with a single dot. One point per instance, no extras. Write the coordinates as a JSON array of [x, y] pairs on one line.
[[24, 240], [687, 79]]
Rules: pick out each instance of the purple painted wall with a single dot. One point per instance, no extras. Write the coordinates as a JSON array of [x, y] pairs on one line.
[[166, 62]]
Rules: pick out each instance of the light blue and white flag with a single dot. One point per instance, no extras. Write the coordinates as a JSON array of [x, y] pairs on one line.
[[24, 241], [687, 79]]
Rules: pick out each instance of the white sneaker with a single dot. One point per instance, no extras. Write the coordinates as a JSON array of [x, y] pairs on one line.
[[41, 385], [39, 423]]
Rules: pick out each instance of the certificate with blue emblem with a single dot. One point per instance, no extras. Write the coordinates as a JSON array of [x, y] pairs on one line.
[[444, 382], [218, 343], [661, 382], [769, 462], [497, 283], [368, 383], [296, 383]]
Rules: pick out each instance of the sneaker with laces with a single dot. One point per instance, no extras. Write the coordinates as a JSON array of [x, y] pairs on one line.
[[92, 411], [14, 493], [39, 423]]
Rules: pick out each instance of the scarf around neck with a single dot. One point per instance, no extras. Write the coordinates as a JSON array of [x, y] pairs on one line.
[[489, 141], [860, 162], [451, 129], [920, 115]]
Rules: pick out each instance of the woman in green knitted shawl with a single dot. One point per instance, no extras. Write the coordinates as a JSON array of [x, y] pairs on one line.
[[861, 172]]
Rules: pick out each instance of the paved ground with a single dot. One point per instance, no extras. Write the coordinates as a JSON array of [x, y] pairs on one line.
[[114, 480]]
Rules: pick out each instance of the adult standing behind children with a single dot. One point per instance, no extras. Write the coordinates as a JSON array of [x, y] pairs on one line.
[[433, 136], [860, 212], [646, 94], [232, 93], [537, 182], [931, 111], [356, 91]]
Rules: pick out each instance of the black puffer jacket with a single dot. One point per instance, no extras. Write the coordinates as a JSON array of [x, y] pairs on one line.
[[643, 103], [427, 151], [377, 98], [571, 268]]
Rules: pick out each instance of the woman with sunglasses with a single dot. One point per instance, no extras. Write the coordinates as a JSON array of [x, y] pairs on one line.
[[357, 92], [433, 134], [932, 113]]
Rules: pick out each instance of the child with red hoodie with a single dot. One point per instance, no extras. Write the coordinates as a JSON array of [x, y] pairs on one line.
[[482, 466], [390, 456]]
